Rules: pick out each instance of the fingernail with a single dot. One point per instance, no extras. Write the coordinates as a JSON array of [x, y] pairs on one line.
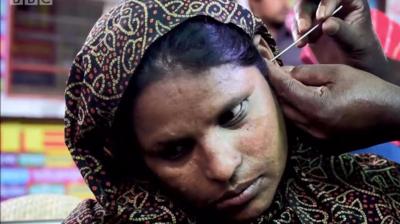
[[321, 12], [287, 68], [302, 25]]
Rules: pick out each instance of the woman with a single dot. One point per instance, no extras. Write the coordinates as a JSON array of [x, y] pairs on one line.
[[171, 120]]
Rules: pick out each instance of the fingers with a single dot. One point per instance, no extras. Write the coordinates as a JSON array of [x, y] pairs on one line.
[[296, 35], [331, 26], [313, 75], [288, 68], [341, 32], [302, 121], [302, 92], [304, 11], [293, 91], [326, 8], [315, 35]]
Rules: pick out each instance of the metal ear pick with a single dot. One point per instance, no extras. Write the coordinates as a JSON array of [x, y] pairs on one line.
[[305, 35]]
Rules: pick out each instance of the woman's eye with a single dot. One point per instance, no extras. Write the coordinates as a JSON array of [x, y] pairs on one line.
[[235, 115], [176, 150]]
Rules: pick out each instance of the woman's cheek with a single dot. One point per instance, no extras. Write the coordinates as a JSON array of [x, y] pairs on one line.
[[257, 136], [263, 145], [184, 180]]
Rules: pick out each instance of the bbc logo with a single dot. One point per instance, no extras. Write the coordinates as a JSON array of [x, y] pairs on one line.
[[31, 2]]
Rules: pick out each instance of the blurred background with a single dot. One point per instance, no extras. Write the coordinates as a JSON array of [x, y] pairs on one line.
[[38, 44]]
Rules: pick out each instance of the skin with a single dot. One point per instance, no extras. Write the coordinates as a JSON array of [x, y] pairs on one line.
[[210, 133], [350, 107], [349, 38], [340, 103]]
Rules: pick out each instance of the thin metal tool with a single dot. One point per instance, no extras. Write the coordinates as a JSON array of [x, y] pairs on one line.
[[305, 35]]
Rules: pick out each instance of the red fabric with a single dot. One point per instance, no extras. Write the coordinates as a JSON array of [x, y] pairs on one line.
[[388, 33]]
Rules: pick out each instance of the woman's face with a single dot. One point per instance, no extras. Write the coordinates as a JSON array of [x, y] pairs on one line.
[[216, 138]]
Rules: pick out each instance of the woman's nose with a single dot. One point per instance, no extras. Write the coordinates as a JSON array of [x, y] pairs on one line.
[[222, 158]]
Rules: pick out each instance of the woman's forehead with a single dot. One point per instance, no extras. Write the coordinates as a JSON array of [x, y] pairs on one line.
[[201, 96], [190, 85]]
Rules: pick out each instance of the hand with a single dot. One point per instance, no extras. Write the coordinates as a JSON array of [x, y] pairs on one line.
[[338, 102], [352, 33]]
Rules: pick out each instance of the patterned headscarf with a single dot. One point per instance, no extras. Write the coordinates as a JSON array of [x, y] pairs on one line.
[[315, 188], [99, 77]]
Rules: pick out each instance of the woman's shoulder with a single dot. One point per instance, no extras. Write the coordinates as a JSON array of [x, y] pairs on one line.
[[306, 152], [372, 171], [364, 170], [360, 188]]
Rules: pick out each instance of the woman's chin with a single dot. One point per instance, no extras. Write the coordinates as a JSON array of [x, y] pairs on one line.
[[252, 209], [251, 213]]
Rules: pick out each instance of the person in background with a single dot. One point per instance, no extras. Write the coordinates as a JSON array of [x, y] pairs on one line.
[[274, 13]]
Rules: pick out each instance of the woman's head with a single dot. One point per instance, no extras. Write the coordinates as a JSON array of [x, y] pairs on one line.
[[205, 120], [196, 46], [99, 77]]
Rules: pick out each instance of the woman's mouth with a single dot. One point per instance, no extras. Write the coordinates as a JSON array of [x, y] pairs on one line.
[[241, 195]]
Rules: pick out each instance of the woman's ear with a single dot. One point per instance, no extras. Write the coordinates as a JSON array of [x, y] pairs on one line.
[[263, 48]]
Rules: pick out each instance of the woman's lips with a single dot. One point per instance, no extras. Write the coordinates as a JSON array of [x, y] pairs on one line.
[[242, 197]]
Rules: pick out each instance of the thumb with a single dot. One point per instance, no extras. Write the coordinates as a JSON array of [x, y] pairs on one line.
[[341, 32], [312, 75]]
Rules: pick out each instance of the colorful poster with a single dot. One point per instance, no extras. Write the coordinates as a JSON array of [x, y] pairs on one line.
[[34, 159]]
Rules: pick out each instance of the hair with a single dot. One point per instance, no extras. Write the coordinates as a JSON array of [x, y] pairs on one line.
[[196, 45]]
